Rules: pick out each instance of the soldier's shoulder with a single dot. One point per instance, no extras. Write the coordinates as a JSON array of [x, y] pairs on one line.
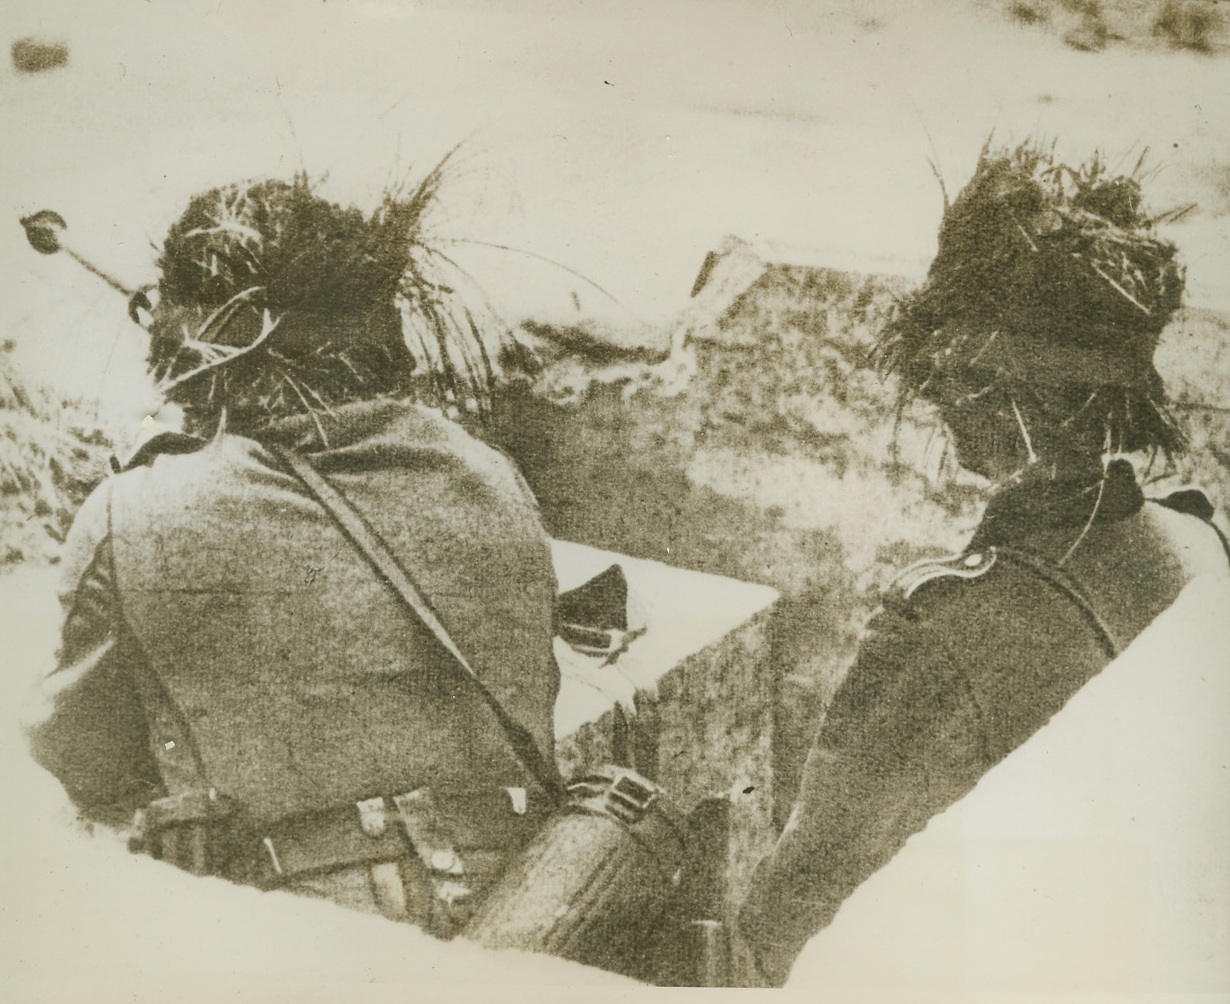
[[923, 577], [163, 473]]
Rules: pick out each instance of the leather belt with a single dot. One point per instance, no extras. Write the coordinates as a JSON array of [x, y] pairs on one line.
[[321, 842], [429, 825]]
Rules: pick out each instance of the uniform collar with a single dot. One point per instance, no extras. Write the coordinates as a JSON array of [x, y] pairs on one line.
[[346, 426], [357, 424], [1056, 504]]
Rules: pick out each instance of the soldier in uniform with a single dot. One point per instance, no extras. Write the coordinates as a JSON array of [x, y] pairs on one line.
[[1037, 353], [231, 666]]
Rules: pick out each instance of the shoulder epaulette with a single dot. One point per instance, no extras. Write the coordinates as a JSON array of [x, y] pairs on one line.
[[1194, 502], [1191, 501], [970, 565], [156, 445]]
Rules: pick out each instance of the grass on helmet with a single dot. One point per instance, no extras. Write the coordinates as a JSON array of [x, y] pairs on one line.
[[1046, 254], [275, 302]]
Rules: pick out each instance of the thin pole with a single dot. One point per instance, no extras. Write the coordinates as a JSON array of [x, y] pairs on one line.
[[110, 280]]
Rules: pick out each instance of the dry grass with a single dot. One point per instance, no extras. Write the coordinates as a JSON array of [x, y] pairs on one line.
[[1091, 25], [52, 454], [1041, 260], [276, 302]]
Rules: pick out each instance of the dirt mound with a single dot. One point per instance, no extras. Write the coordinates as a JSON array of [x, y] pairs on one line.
[[782, 458]]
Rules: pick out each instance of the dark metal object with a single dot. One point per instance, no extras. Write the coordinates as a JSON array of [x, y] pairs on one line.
[[45, 230], [593, 618], [596, 883], [705, 951], [193, 830]]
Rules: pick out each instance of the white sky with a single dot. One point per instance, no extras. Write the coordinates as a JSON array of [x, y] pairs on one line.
[[621, 140]]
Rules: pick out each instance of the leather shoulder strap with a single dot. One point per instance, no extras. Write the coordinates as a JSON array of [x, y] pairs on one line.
[[1064, 583], [154, 446], [386, 565], [973, 565]]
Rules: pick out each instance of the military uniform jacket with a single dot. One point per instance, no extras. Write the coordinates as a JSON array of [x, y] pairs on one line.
[[968, 657], [218, 624]]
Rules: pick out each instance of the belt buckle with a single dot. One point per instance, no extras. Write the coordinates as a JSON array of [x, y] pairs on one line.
[[633, 791]]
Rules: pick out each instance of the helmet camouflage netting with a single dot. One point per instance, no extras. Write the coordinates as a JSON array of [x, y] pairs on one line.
[[275, 302], [1049, 284]]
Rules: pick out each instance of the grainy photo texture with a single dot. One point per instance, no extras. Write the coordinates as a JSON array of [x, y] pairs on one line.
[[530, 498]]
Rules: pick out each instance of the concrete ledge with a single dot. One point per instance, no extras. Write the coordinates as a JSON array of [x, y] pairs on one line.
[[704, 686]]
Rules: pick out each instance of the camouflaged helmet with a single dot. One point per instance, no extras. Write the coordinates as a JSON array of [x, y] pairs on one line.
[[1050, 287], [275, 302]]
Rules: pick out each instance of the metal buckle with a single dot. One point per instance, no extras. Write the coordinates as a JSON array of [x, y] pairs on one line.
[[590, 640], [632, 791]]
